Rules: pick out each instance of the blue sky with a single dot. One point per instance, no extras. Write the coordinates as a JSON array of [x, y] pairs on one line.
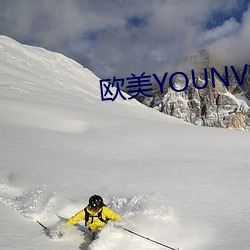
[[218, 17], [118, 37]]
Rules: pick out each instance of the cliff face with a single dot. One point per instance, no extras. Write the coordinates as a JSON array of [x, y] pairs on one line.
[[213, 106]]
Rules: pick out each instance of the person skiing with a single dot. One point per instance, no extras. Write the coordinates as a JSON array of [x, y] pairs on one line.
[[95, 214]]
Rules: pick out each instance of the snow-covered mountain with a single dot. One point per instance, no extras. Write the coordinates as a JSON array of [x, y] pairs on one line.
[[224, 107], [182, 185]]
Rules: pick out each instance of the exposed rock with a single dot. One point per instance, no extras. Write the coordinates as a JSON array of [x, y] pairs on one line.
[[213, 107]]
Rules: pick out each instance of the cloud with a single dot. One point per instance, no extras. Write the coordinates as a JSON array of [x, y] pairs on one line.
[[234, 47], [117, 37], [229, 27]]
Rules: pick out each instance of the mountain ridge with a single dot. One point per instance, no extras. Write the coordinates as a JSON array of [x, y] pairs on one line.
[[214, 105]]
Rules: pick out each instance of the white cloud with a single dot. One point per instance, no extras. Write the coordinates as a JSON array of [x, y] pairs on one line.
[[229, 27], [233, 49]]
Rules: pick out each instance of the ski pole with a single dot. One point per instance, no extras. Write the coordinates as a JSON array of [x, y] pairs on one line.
[[146, 238], [45, 228]]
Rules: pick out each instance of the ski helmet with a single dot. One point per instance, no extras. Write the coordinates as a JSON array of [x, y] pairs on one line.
[[95, 202]]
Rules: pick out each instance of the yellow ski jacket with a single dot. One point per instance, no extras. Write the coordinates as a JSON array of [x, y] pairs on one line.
[[94, 223]]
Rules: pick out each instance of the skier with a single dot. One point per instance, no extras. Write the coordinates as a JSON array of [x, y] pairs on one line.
[[95, 214]]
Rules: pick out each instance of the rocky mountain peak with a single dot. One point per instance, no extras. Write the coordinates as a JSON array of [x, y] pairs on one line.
[[198, 61], [215, 105]]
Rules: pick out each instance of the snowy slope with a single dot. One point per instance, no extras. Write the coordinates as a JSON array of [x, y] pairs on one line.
[[176, 183]]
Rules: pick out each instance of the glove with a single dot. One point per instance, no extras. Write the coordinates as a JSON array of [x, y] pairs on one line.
[[60, 234], [62, 229]]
